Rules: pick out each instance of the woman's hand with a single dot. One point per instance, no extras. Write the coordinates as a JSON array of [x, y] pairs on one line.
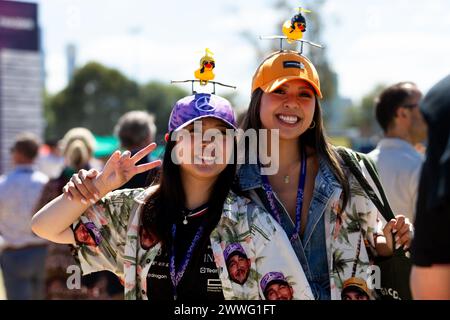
[[119, 169], [402, 230], [81, 187]]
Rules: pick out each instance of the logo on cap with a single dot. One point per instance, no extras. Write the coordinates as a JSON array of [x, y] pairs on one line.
[[293, 64], [272, 276], [232, 248], [203, 104]]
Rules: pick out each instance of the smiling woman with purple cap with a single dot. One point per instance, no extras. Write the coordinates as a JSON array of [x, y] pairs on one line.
[[174, 240]]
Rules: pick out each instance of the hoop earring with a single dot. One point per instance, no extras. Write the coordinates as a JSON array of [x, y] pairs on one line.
[[313, 125]]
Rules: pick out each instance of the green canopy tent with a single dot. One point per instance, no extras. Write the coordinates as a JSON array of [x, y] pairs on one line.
[[106, 145]]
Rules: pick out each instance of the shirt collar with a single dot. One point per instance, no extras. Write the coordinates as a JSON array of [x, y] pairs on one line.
[[249, 177], [24, 168], [396, 143], [230, 207]]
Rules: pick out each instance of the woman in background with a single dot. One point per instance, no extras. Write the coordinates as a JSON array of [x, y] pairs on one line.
[[77, 146]]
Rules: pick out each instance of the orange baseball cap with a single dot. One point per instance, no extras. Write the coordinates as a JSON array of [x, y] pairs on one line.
[[282, 67], [356, 283]]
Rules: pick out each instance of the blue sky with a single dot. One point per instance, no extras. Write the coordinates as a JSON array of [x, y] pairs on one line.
[[368, 42]]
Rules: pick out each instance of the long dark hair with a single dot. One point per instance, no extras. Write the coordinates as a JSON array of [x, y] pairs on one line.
[[315, 138], [164, 206]]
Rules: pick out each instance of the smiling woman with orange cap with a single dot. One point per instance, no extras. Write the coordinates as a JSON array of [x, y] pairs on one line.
[[322, 208]]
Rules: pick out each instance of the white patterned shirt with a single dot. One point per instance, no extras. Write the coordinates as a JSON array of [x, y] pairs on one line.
[[115, 222]]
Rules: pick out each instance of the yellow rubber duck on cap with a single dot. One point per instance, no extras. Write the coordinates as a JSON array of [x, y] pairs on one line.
[[205, 72], [293, 29]]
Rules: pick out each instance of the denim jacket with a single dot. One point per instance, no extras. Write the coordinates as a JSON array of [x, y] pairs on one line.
[[326, 236]]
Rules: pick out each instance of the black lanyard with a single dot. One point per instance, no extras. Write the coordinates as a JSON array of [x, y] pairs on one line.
[[176, 274]]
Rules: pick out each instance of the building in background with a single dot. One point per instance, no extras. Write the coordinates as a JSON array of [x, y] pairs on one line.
[[21, 77]]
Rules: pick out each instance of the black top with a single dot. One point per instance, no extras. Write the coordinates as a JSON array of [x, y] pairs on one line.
[[201, 279], [431, 243]]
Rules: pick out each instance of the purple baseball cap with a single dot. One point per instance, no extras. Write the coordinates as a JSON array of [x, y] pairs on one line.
[[94, 232], [198, 106], [270, 277], [232, 248]]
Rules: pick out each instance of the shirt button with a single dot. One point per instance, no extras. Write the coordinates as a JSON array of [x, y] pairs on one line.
[[143, 291], [148, 261]]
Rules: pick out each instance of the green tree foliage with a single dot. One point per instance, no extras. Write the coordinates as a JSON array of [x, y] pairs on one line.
[[158, 98], [49, 117], [328, 77], [314, 29], [97, 96], [362, 115]]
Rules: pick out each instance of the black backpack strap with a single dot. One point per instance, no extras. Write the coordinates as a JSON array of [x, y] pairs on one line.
[[351, 160], [370, 165]]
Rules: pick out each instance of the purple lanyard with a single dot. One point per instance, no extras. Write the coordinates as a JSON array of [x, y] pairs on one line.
[[175, 275], [300, 193]]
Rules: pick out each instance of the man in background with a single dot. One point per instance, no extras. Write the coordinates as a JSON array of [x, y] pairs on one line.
[[399, 164], [136, 130], [22, 254]]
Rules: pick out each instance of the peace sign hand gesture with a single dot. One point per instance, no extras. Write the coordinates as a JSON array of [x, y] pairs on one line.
[[119, 169]]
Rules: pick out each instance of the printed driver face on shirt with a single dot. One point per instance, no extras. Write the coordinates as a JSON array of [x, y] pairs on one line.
[[355, 289], [238, 265], [275, 286], [146, 238], [87, 234], [279, 291]]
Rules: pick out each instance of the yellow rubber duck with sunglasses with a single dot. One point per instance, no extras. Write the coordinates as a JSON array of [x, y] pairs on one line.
[[205, 72]]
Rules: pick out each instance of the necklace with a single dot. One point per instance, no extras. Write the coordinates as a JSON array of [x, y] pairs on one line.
[[287, 178], [193, 213], [300, 193]]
